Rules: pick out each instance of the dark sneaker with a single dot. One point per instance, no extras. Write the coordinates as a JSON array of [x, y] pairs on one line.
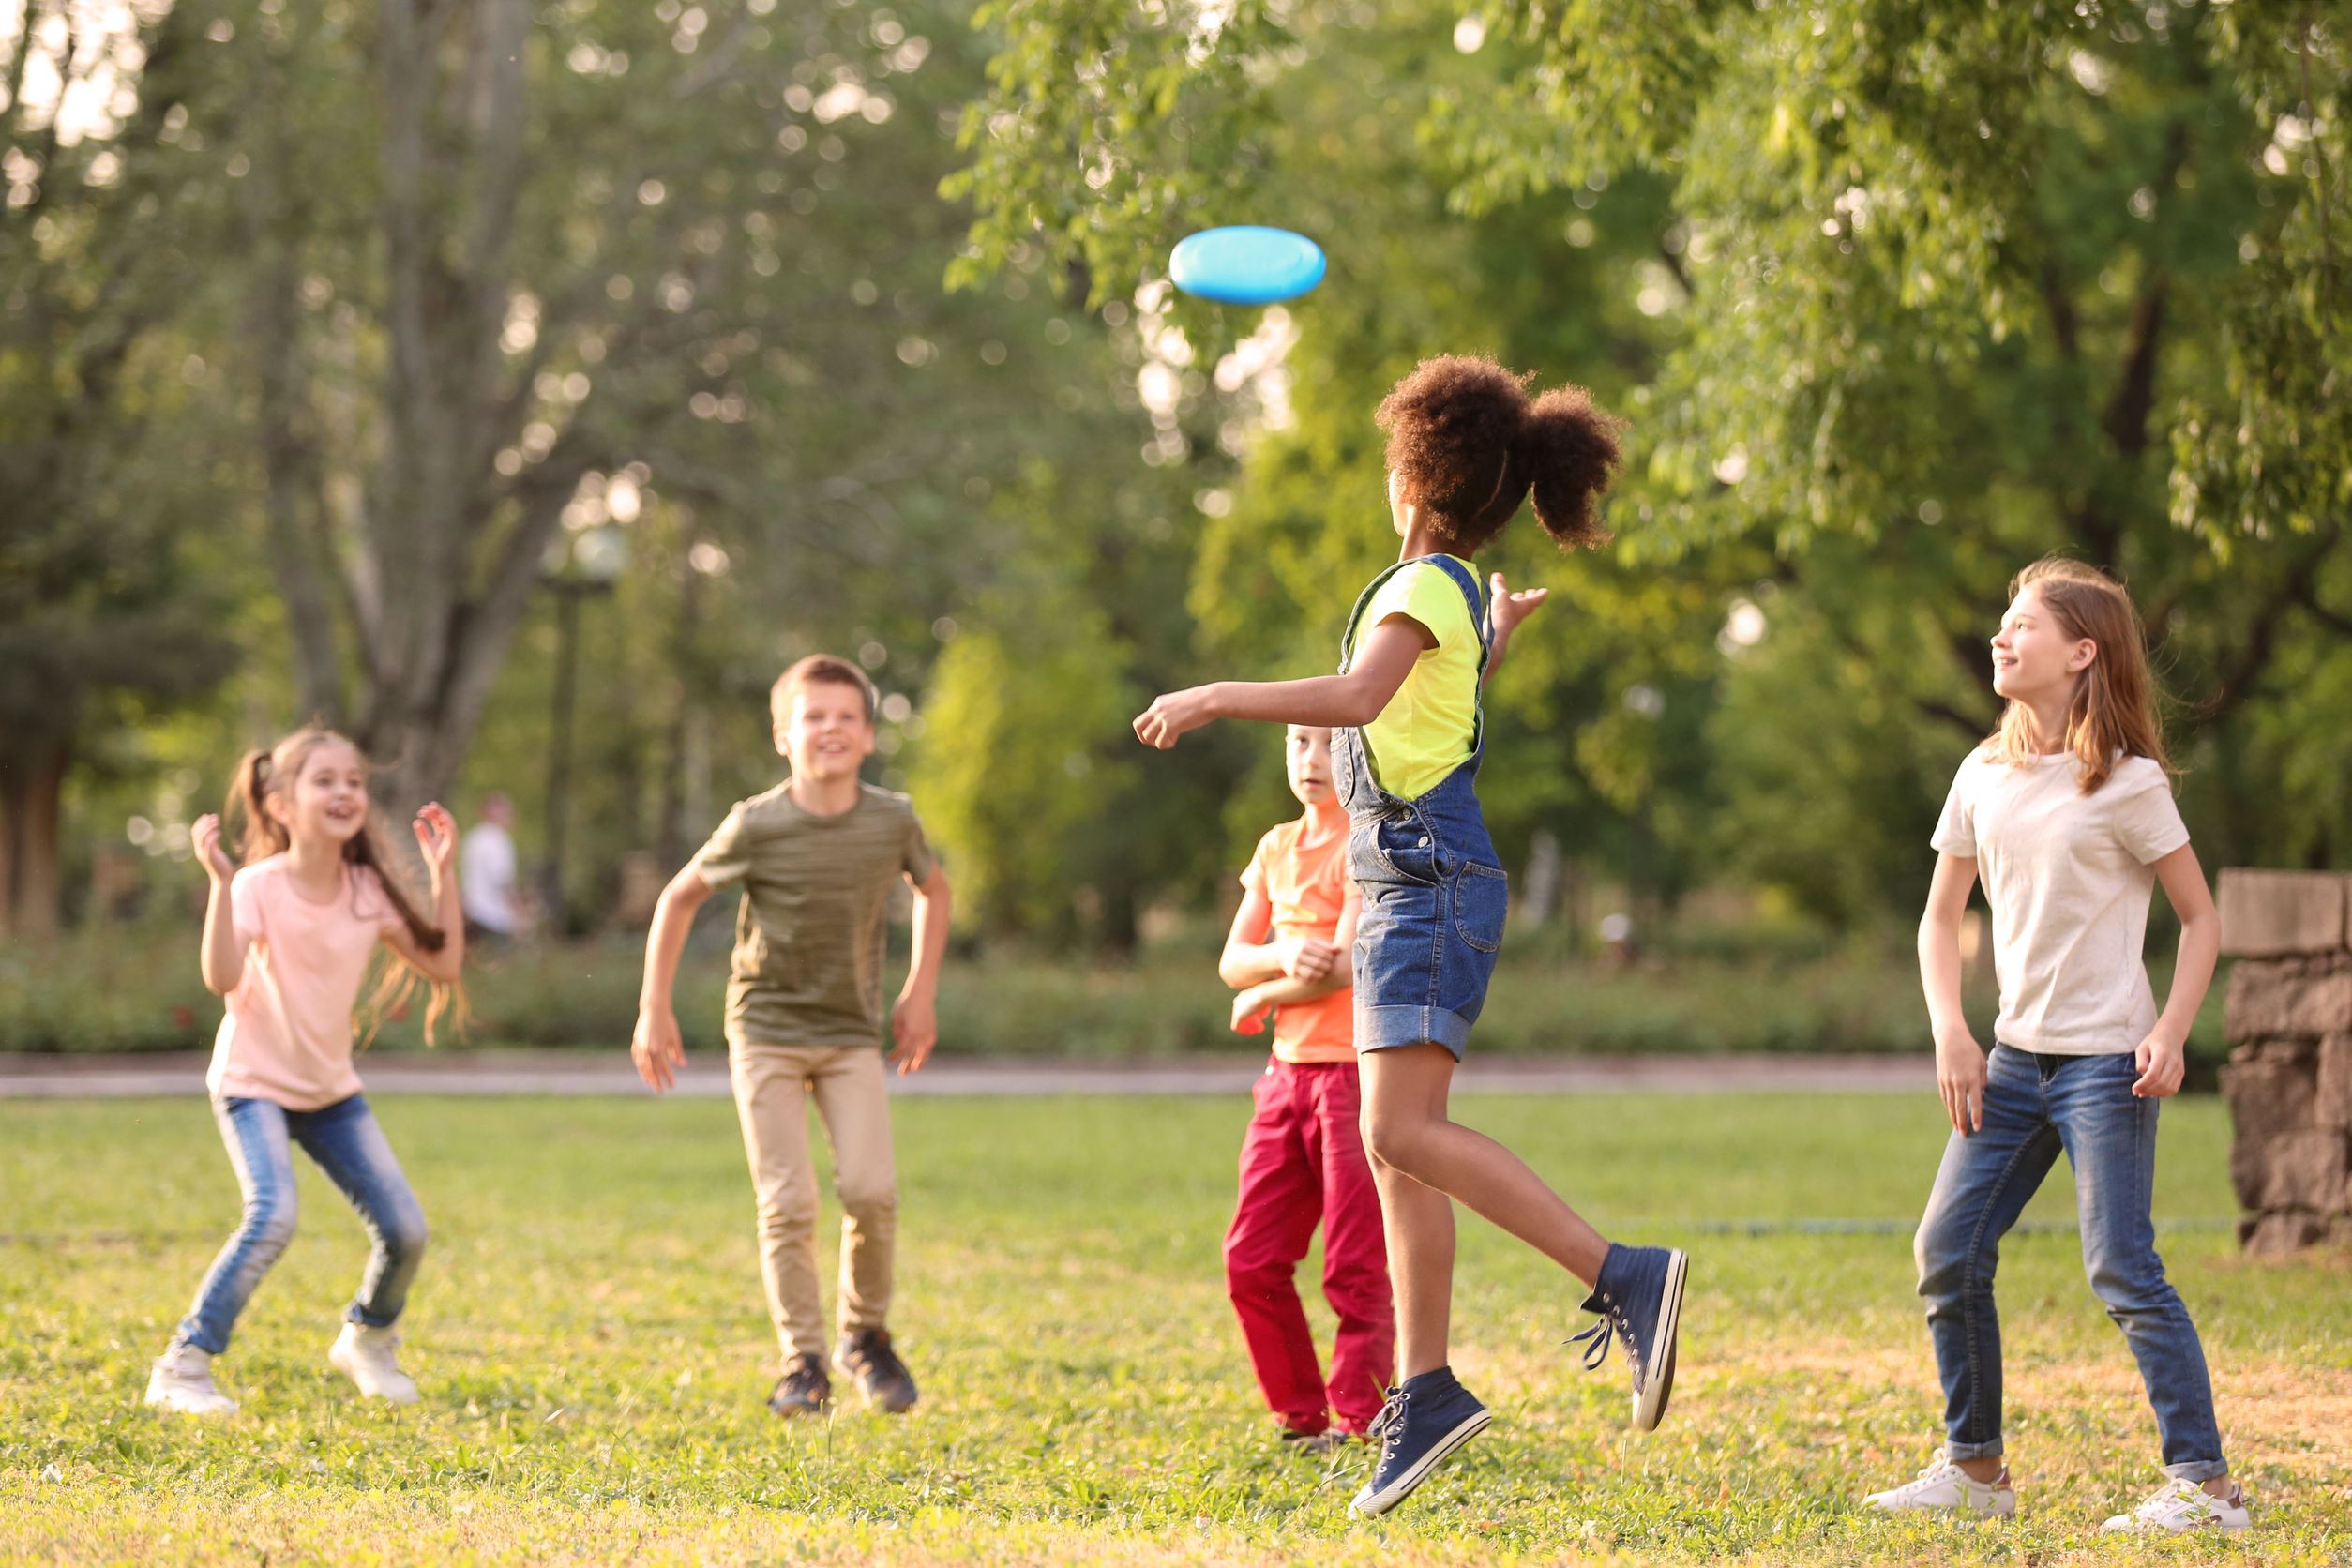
[[1425, 1419], [1639, 1297], [880, 1375], [1329, 1440], [804, 1389]]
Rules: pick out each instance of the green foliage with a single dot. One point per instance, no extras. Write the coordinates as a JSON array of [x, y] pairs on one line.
[[588, 1335], [1926, 291]]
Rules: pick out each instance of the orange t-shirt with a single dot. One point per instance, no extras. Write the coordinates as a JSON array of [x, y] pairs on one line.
[[286, 1038], [1306, 888]]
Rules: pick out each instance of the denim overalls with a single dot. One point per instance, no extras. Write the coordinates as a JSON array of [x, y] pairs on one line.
[[1434, 899]]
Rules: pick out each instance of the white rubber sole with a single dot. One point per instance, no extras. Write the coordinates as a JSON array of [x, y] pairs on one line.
[[1650, 1405], [1369, 1502]]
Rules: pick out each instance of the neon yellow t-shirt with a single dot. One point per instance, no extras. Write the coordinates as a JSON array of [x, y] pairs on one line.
[[1427, 728]]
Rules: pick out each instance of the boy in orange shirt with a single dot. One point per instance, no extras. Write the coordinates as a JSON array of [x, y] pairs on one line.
[[1303, 1158]]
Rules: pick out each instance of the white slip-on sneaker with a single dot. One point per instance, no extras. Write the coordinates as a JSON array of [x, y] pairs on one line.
[[181, 1380], [2180, 1506], [370, 1358], [1944, 1487]]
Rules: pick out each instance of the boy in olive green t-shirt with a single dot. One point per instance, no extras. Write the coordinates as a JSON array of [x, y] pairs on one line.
[[817, 856]]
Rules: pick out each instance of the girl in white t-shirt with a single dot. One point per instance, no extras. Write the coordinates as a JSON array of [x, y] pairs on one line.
[[2066, 813], [288, 941]]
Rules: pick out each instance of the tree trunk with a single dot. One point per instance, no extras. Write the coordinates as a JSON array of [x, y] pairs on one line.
[[32, 782]]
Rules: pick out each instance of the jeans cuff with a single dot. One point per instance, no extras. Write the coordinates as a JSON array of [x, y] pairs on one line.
[[366, 1320], [1385, 1028], [1956, 1451], [2198, 1470]]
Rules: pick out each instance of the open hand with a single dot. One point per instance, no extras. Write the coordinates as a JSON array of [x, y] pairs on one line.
[[437, 837], [204, 837], [657, 1048], [1249, 1013], [1510, 609], [914, 1028], [1170, 715], [2163, 1065]]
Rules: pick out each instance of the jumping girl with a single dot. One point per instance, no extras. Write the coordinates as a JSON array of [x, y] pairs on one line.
[[1466, 447], [288, 940], [2066, 811]]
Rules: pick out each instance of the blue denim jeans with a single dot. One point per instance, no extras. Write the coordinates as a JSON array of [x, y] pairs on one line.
[[344, 1141], [2036, 1105]]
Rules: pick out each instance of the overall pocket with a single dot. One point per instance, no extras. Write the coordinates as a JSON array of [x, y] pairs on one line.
[[1482, 899], [1407, 849]]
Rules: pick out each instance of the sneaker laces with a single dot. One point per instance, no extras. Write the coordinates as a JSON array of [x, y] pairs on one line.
[[1596, 1338], [1388, 1428]]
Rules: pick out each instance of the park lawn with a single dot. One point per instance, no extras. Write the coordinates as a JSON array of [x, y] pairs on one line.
[[590, 1339]]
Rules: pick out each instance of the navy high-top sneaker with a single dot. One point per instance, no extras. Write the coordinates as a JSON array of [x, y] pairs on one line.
[[1427, 1418], [1639, 1296]]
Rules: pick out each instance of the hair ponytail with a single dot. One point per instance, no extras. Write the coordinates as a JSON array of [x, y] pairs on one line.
[[1569, 451], [1469, 446], [263, 774]]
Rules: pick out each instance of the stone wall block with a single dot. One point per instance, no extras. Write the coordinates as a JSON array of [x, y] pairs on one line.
[[2268, 1098], [2287, 996], [2269, 913], [2280, 1231], [2305, 1170], [2332, 1104]]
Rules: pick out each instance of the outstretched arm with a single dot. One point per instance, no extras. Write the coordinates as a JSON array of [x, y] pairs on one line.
[[1330, 701]]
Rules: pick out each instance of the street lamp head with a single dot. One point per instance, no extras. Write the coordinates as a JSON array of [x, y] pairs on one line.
[[601, 554]]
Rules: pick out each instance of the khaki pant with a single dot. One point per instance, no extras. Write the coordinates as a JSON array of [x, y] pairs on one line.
[[772, 1088]]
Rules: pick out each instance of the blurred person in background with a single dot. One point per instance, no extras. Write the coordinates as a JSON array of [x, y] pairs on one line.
[[485, 864]]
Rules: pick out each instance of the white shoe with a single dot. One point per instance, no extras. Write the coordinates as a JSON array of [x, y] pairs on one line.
[[181, 1380], [1945, 1487], [2182, 1506], [370, 1358]]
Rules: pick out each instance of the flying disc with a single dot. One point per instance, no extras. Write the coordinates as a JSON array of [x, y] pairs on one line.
[[1245, 264]]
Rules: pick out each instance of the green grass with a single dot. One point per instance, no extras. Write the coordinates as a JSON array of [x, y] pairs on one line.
[[589, 1334]]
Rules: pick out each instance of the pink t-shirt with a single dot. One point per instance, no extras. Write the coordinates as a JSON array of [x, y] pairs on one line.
[[287, 1034]]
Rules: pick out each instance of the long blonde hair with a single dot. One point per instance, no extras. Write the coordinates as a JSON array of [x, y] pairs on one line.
[[2114, 711], [263, 774]]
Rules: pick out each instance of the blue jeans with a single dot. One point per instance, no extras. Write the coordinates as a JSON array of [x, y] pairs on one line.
[[2036, 1105], [344, 1141]]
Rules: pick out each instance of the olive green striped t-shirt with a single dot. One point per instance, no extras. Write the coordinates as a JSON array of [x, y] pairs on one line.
[[808, 961]]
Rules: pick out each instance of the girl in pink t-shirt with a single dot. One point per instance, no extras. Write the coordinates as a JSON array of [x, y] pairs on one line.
[[288, 941]]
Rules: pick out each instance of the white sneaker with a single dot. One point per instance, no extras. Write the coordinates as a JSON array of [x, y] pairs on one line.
[[1945, 1487], [370, 1358], [181, 1380], [2182, 1506]]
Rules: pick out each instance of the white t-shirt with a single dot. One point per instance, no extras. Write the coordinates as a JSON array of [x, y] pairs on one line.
[[2067, 876], [486, 877]]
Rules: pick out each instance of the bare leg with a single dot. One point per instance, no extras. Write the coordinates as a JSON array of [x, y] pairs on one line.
[[1422, 1158]]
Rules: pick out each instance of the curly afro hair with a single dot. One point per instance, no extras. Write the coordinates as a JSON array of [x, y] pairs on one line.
[[1468, 446]]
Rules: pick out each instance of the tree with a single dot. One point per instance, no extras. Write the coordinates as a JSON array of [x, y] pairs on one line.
[[1955, 285], [96, 596]]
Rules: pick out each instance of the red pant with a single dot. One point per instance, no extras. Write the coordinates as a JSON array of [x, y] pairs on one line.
[[1302, 1161]]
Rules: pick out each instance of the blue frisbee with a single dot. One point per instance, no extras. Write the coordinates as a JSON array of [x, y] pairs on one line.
[[1245, 264]]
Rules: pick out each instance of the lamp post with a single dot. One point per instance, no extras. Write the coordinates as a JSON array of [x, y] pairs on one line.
[[574, 570]]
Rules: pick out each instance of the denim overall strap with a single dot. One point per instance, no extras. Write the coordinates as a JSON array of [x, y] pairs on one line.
[[1468, 582]]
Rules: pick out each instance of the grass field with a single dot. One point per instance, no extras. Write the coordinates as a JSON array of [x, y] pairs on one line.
[[592, 1351]]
